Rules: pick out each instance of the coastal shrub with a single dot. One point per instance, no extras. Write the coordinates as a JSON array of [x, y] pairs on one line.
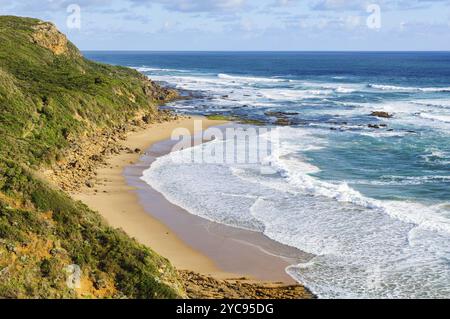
[[42, 94], [82, 233], [47, 99]]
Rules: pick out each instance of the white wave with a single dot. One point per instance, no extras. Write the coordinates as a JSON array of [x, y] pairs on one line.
[[437, 156], [436, 117], [354, 237], [400, 108], [250, 79], [378, 134], [393, 180], [436, 103], [292, 95], [345, 90], [150, 69], [342, 192], [403, 88]]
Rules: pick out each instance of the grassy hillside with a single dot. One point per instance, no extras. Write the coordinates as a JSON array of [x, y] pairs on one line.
[[49, 92], [50, 96]]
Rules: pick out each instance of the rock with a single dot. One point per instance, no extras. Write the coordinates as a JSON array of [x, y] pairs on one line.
[[57, 251], [4, 272], [100, 283], [376, 126], [137, 150], [90, 183], [381, 114], [47, 35], [199, 286], [283, 122], [280, 114], [11, 248], [96, 158], [147, 119]]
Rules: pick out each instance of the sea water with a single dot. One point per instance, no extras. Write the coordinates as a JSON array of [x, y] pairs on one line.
[[372, 204]]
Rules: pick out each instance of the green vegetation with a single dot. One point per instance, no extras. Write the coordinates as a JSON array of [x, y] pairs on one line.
[[233, 118], [220, 117], [50, 95], [46, 98]]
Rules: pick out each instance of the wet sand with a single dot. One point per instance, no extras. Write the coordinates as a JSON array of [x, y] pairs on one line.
[[189, 242]]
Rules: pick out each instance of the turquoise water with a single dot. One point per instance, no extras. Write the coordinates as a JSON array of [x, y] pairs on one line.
[[368, 196]]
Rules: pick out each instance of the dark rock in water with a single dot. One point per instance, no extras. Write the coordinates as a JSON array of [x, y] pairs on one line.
[[283, 122], [337, 123], [383, 125], [374, 126], [280, 114], [381, 114], [390, 130]]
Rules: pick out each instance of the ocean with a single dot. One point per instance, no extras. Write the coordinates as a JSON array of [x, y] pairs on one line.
[[368, 196]]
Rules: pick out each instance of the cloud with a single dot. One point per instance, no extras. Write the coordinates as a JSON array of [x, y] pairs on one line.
[[171, 5], [339, 5], [196, 5], [359, 5]]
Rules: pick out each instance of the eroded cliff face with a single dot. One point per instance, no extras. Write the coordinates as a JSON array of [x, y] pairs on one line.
[[47, 35]]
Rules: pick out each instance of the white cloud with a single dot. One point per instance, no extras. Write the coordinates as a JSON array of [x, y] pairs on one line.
[[196, 5]]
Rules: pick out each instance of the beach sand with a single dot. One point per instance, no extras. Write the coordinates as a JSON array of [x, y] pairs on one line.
[[191, 243], [117, 202]]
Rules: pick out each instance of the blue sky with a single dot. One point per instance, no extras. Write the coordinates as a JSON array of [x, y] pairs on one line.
[[247, 24]]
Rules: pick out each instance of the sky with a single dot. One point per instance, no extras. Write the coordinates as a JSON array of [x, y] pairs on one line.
[[245, 25]]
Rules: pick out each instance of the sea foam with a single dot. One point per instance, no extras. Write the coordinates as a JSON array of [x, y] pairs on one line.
[[364, 247]]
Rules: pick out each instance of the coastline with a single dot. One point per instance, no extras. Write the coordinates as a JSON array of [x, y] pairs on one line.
[[116, 201], [186, 240]]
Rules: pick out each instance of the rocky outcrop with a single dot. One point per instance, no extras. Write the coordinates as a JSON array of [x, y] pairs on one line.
[[282, 118], [381, 114], [47, 35], [157, 93], [78, 166], [203, 287]]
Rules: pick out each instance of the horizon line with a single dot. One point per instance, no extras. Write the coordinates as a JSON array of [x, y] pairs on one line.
[[273, 51]]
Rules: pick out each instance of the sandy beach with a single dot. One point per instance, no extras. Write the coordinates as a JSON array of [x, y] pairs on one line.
[[189, 242], [119, 204]]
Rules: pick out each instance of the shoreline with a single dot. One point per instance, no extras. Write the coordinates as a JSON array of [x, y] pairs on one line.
[[211, 249], [117, 202]]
